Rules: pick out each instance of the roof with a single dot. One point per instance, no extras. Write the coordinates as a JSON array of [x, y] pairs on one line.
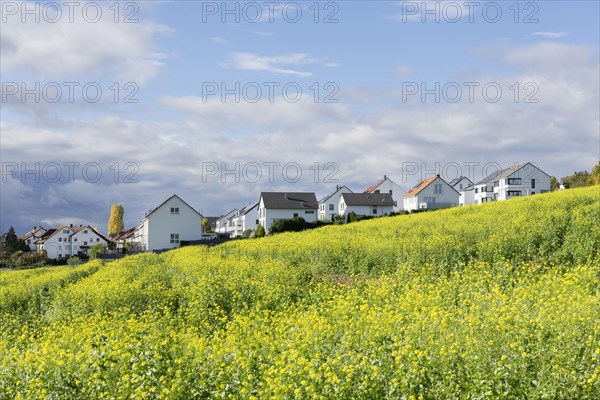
[[506, 172], [422, 185], [75, 229], [368, 199], [331, 194], [455, 181], [163, 203], [289, 200], [124, 234], [30, 233], [248, 208], [229, 215], [373, 187]]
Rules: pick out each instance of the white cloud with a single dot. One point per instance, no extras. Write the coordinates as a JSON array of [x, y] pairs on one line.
[[551, 35], [72, 50], [218, 40], [276, 64]]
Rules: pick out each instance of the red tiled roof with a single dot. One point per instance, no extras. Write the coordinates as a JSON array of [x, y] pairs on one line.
[[373, 187], [417, 189]]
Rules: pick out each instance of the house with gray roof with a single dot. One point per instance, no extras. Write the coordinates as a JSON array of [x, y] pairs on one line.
[[366, 204], [329, 205], [286, 205], [517, 180]]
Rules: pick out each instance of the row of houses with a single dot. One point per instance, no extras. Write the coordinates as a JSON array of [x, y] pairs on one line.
[[175, 221], [63, 241]]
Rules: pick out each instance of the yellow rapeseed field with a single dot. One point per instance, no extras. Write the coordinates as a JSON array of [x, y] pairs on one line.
[[481, 302]]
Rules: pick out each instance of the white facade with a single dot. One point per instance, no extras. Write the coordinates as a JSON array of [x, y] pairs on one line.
[[250, 218], [33, 236], [329, 206], [461, 183], [70, 241], [225, 223], [169, 224], [433, 193], [266, 215], [467, 196], [363, 210], [520, 180], [386, 185]]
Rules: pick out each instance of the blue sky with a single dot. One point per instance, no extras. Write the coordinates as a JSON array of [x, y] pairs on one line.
[[374, 58]]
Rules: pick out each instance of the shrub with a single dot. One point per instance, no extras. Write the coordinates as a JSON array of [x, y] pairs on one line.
[[73, 261], [259, 231]]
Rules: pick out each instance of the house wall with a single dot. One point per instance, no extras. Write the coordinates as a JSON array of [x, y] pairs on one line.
[[391, 187], [249, 219], [363, 210], [324, 213], [58, 245], [160, 224], [526, 174], [466, 197], [272, 215], [84, 240], [448, 198]]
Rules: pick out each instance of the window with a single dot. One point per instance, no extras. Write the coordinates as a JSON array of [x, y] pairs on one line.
[[460, 186], [331, 207], [476, 190], [390, 191], [513, 193], [437, 188], [295, 215], [28, 241], [496, 183], [174, 210], [429, 200], [256, 222], [377, 191], [75, 239], [85, 243], [65, 231], [309, 212], [174, 237], [533, 183], [513, 181], [532, 192], [85, 231], [60, 256], [374, 210], [60, 239], [97, 239]]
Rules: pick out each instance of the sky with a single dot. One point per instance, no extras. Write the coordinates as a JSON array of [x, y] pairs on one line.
[[131, 102]]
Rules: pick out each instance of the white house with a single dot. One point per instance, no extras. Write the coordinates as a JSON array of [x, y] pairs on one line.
[[467, 196], [67, 241], [285, 205], [460, 183], [518, 180], [365, 204], [168, 224], [249, 217], [32, 236], [329, 205], [431, 193], [386, 185], [224, 224]]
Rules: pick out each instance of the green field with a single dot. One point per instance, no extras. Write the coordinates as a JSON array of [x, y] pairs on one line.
[[494, 301]]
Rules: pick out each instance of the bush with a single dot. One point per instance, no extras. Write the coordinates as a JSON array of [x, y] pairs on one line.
[[73, 261], [246, 234], [260, 231], [98, 248]]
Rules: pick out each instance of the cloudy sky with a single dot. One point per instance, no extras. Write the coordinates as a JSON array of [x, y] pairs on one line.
[[131, 102]]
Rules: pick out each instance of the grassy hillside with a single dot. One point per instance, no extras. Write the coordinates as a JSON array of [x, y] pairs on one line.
[[493, 301]]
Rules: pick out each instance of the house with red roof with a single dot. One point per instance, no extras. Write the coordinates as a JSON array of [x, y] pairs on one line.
[[386, 185], [432, 193]]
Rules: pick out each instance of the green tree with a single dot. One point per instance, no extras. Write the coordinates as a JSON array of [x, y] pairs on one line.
[[554, 184], [594, 178], [260, 231], [13, 244], [578, 179], [115, 221], [97, 249]]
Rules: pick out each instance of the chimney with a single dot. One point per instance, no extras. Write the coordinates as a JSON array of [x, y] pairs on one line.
[[71, 226], [384, 177], [438, 175]]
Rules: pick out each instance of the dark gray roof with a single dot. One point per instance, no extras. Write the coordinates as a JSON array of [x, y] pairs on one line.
[[506, 172], [368, 199], [289, 200], [331, 194], [455, 181], [248, 208]]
